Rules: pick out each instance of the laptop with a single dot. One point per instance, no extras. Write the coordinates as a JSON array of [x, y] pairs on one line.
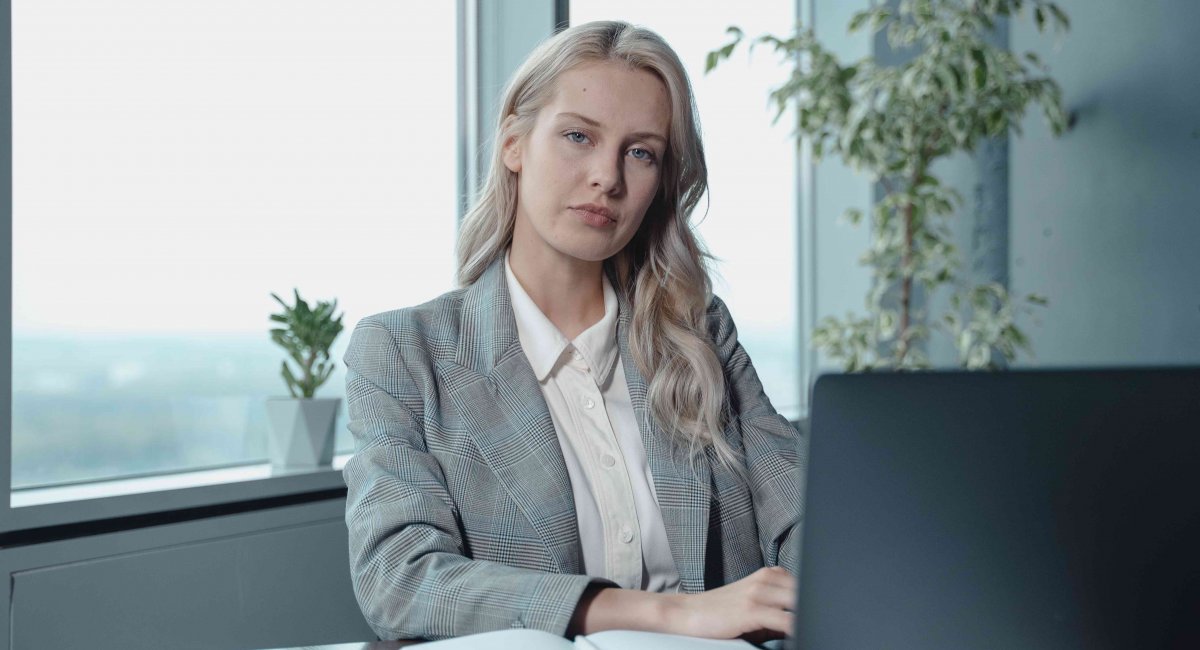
[[1017, 509]]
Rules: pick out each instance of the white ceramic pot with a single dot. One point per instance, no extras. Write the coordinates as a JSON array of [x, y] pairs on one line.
[[300, 435]]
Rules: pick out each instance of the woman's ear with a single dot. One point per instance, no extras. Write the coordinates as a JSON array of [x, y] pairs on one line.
[[512, 147]]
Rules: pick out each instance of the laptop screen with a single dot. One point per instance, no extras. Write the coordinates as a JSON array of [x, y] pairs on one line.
[[1021, 509]]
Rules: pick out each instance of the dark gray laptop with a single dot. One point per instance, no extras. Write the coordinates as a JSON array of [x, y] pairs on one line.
[[1031, 509]]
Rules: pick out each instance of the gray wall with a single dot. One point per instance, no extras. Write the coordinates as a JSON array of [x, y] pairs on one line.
[[263, 579], [1106, 220]]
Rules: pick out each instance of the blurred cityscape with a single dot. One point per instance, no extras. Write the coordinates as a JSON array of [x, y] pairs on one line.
[[85, 409]]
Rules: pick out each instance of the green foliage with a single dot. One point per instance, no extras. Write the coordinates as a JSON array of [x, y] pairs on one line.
[[307, 337], [894, 122]]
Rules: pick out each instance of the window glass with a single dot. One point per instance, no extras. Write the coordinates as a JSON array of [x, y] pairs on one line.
[[175, 162], [750, 223]]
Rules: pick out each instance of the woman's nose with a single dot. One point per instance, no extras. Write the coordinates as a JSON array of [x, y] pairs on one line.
[[606, 173]]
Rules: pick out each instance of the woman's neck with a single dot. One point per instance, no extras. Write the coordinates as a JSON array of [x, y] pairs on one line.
[[567, 290]]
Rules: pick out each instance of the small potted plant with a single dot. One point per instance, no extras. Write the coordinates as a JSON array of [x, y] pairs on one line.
[[301, 426]]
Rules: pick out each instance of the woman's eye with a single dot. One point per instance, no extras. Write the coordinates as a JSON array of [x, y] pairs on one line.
[[642, 154], [577, 137]]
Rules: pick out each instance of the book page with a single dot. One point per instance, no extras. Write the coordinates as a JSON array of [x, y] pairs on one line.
[[503, 640], [627, 640]]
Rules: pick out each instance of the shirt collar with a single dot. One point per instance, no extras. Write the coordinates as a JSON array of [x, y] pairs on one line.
[[544, 344]]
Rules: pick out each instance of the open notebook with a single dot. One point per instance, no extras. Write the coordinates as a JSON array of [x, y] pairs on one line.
[[610, 640]]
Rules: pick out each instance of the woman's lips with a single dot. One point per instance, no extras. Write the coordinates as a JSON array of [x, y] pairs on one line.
[[593, 218]]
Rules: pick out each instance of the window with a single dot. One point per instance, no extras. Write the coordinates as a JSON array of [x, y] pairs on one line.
[[175, 162], [751, 221]]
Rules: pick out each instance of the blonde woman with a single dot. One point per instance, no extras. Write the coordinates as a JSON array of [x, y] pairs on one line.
[[574, 440]]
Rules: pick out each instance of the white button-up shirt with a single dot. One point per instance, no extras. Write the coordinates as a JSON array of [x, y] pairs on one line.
[[620, 525]]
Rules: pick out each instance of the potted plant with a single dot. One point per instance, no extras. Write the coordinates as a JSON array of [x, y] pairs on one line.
[[895, 121], [301, 426]]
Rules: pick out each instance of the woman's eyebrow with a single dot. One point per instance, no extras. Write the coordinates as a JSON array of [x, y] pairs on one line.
[[645, 135]]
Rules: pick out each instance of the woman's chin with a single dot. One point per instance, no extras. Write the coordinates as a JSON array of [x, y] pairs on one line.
[[594, 254], [588, 251]]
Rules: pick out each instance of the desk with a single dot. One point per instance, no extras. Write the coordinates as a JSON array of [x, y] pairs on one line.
[[366, 645]]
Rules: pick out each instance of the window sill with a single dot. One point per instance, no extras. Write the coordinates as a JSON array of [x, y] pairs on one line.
[[100, 500]]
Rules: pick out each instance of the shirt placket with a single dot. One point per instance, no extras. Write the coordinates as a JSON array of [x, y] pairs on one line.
[[609, 477]]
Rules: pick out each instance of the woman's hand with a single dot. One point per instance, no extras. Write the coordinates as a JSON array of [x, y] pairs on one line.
[[757, 607]]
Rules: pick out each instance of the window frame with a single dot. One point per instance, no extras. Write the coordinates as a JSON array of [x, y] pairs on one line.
[[6, 514]]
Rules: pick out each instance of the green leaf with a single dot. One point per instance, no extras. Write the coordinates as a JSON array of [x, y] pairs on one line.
[[881, 17], [980, 67], [290, 379], [857, 21], [1039, 17], [710, 62], [1060, 15]]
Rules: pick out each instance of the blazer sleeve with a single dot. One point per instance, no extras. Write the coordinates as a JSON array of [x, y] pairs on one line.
[[408, 563], [776, 453]]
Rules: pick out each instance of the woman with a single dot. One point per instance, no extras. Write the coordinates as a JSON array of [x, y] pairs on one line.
[[574, 441]]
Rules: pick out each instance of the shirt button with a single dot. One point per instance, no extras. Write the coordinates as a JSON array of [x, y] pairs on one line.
[[578, 357], [608, 461], [626, 534], [588, 403]]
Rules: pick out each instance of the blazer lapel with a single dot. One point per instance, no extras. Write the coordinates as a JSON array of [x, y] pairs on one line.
[[681, 485], [494, 387]]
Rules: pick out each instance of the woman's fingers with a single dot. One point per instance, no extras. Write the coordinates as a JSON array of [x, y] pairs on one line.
[[777, 588], [777, 576], [760, 603], [777, 620], [775, 597]]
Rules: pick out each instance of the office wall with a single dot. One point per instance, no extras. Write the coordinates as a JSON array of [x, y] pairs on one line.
[[1106, 220]]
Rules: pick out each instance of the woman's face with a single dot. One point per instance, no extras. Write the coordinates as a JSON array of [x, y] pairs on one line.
[[591, 165]]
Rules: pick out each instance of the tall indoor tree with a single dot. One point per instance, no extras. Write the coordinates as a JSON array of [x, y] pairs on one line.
[[894, 122]]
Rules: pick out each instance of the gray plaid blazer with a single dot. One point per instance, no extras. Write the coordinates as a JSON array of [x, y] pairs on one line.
[[460, 512]]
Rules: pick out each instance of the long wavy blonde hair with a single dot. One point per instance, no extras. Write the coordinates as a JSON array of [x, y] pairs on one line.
[[663, 270]]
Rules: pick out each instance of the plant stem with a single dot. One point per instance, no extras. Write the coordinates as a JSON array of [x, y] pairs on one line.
[[308, 376], [905, 285], [906, 274], [905, 271]]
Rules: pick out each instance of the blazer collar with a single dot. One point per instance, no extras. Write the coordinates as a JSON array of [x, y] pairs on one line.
[[488, 328]]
